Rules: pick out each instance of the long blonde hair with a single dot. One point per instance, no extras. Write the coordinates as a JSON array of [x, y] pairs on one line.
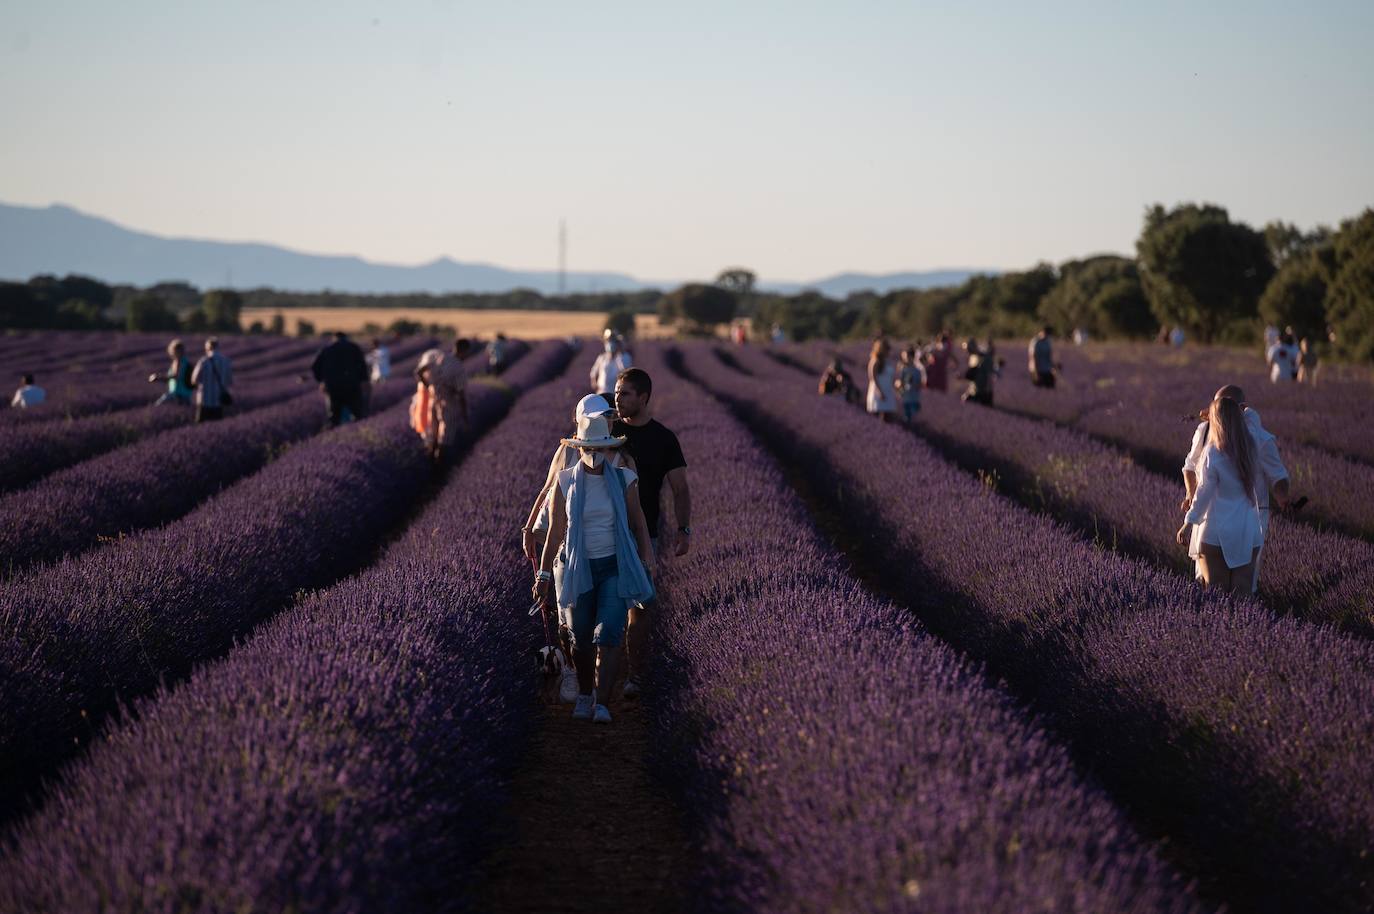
[[878, 355], [1229, 435]]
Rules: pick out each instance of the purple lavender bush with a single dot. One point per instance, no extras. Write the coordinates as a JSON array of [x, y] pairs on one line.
[[351, 755], [155, 480], [1316, 574], [834, 756], [105, 627], [1242, 737]]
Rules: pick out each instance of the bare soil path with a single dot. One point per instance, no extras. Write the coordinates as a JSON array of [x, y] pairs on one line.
[[592, 830]]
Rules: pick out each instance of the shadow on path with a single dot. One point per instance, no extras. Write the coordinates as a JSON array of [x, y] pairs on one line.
[[591, 830]]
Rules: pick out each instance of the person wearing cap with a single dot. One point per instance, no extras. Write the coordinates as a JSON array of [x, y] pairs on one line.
[[536, 529], [598, 529], [608, 365], [212, 377]]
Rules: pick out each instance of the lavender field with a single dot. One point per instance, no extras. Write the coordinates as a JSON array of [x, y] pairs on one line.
[[256, 665]]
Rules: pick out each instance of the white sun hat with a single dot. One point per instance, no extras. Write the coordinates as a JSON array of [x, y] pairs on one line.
[[592, 405], [593, 431]]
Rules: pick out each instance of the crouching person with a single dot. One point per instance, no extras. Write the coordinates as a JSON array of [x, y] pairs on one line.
[[598, 527]]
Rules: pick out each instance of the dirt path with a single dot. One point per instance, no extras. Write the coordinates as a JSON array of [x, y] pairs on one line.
[[592, 830]]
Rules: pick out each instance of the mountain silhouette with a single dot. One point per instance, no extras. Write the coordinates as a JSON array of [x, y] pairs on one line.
[[60, 240]]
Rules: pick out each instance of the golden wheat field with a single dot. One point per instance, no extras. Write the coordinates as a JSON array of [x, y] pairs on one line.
[[527, 325]]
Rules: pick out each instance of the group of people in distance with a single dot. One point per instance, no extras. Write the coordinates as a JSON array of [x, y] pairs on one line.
[[1289, 361], [439, 406], [206, 385], [896, 385], [592, 536]]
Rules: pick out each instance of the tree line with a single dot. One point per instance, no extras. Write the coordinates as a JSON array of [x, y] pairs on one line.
[[1219, 279]]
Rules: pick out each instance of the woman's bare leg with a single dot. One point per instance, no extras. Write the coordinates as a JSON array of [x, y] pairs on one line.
[[1214, 570], [1243, 578]]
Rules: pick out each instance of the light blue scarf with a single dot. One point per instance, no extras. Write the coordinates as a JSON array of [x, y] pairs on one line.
[[634, 584]]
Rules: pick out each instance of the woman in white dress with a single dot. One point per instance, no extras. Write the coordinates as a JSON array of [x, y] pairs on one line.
[[882, 397], [1223, 527]]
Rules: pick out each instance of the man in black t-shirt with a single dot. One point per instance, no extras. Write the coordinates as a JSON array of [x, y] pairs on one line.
[[658, 458], [341, 370]]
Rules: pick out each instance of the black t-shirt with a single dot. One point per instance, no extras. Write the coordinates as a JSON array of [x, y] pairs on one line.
[[657, 453], [341, 367]]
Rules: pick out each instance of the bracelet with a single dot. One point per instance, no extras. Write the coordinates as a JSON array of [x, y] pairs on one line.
[[542, 575]]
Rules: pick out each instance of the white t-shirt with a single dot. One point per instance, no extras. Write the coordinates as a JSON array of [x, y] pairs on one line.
[[598, 514], [1284, 360], [607, 368], [380, 361], [28, 395]]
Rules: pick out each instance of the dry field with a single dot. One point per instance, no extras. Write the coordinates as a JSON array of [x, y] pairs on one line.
[[527, 325]]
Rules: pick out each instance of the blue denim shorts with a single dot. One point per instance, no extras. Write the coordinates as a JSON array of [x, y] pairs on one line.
[[601, 613]]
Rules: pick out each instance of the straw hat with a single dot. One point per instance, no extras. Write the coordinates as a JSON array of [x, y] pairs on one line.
[[593, 431]]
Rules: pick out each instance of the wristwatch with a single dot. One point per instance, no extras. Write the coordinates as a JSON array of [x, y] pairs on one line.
[[685, 531]]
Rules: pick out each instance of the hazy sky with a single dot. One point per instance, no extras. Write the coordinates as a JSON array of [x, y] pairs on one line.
[[795, 138]]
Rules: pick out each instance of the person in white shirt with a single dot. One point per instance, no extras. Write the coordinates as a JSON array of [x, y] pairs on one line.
[[212, 377], [1222, 528], [598, 529], [28, 395], [379, 362], [608, 366], [1283, 361], [1272, 483]]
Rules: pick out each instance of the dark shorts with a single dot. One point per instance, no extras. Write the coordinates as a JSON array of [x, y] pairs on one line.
[[345, 406], [209, 413], [1043, 379]]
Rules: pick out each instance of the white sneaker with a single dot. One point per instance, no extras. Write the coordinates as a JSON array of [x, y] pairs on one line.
[[567, 689], [602, 716], [631, 689], [583, 708]]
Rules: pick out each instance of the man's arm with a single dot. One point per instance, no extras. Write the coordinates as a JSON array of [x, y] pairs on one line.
[[682, 506]]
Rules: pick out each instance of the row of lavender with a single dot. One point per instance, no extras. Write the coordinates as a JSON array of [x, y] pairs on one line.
[[349, 756], [834, 756], [1243, 737], [1152, 414], [156, 479], [111, 624], [30, 451], [108, 382], [1319, 575], [1327, 431]]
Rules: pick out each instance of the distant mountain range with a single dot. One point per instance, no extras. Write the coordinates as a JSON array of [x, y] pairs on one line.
[[61, 240]]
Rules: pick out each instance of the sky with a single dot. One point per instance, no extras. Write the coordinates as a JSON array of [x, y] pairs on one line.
[[797, 139]]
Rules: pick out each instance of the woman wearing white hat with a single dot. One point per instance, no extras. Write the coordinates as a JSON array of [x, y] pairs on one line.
[[536, 529], [598, 531]]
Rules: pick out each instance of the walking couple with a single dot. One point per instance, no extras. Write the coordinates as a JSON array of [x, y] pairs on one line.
[[1232, 472], [592, 536]]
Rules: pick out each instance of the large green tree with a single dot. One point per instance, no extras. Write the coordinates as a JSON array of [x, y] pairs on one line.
[[699, 304], [222, 308], [1100, 294], [1350, 295], [1296, 296], [1201, 270], [149, 312]]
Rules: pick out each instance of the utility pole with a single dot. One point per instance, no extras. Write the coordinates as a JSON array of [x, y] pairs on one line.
[[562, 257]]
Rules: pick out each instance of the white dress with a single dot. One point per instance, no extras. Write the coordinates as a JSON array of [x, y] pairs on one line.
[[881, 397], [1224, 514]]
